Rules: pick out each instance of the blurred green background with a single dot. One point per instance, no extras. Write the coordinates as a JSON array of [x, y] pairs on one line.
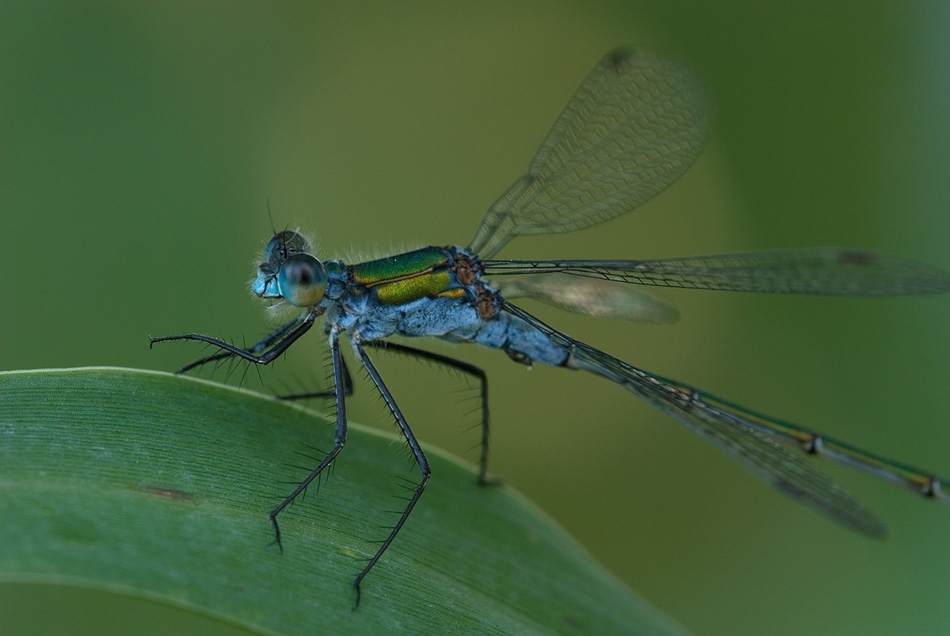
[[140, 147]]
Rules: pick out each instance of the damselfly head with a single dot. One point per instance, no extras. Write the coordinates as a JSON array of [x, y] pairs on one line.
[[289, 271]]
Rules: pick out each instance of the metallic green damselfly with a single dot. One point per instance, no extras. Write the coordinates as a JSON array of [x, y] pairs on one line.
[[633, 127]]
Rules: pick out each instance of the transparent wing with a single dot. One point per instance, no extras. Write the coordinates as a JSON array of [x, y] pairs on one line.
[[754, 440], [633, 127], [820, 271], [591, 297]]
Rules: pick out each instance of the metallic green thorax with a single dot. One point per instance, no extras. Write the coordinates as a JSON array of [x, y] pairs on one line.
[[403, 278]]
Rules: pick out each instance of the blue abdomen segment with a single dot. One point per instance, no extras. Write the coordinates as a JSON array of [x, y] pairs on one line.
[[423, 317], [518, 339]]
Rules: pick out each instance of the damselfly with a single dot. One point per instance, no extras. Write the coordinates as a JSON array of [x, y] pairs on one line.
[[632, 128]]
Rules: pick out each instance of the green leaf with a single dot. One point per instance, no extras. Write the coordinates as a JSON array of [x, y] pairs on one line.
[[158, 487]]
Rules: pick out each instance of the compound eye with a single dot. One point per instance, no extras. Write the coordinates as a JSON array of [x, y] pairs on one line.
[[302, 280], [283, 245]]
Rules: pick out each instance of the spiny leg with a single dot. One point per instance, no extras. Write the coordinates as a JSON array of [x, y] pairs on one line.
[[300, 326], [416, 451], [257, 349], [339, 439], [465, 367], [262, 346]]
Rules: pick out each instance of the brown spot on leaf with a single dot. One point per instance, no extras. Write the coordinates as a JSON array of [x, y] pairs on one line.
[[168, 493]]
